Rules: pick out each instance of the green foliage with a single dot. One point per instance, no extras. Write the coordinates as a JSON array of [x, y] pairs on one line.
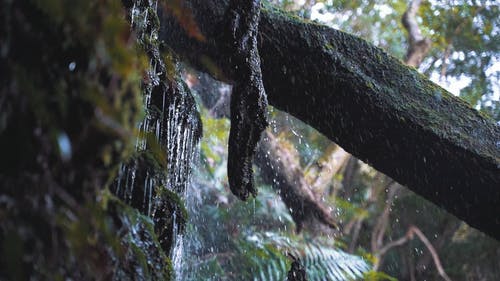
[[72, 69], [309, 144], [240, 240], [465, 39], [466, 44], [376, 21], [215, 132], [322, 261], [467, 242], [245, 248], [377, 276]]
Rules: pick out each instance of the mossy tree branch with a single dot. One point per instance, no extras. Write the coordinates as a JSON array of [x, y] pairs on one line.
[[381, 111]]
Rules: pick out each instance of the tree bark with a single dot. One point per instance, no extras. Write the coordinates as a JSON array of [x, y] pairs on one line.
[[368, 102], [418, 45]]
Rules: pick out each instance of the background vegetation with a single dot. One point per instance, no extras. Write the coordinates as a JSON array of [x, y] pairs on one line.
[[399, 234]]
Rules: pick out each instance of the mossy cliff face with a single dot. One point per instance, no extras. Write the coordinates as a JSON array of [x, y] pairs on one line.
[[70, 100]]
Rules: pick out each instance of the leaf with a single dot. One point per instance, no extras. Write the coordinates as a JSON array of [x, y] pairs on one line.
[[378, 276], [319, 260]]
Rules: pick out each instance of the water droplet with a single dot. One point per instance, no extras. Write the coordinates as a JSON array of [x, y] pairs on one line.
[[72, 66], [64, 146], [438, 95]]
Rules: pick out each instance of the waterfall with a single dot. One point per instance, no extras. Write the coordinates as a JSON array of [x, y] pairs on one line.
[[166, 143]]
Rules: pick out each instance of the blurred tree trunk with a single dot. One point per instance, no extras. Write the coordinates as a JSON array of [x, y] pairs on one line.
[[280, 166]]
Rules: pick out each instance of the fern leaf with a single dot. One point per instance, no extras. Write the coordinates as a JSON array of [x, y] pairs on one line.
[[322, 262]]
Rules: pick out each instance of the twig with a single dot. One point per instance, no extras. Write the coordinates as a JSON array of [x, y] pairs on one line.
[[381, 225], [413, 230], [433, 252]]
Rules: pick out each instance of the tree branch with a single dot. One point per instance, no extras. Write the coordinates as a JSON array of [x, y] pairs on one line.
[[419, 45], [380, 227], [446, 235], [368, 102], [431, 249], [413, 230]]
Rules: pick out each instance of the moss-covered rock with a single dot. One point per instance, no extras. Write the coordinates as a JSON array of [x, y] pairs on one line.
[[70, 101], [169, 216], [144, 258], [104, 240]]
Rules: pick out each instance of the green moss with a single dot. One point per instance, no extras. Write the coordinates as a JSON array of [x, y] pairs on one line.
[[139, 244], [329, 46], [176, 203], [274, 11]]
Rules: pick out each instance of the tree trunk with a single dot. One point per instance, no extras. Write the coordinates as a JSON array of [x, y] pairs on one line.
[[368, 102]]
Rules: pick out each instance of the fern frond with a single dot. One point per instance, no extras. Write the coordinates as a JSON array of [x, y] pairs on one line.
[[322, 262]]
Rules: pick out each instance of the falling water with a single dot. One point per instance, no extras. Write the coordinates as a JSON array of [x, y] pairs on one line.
[[167, 141]]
